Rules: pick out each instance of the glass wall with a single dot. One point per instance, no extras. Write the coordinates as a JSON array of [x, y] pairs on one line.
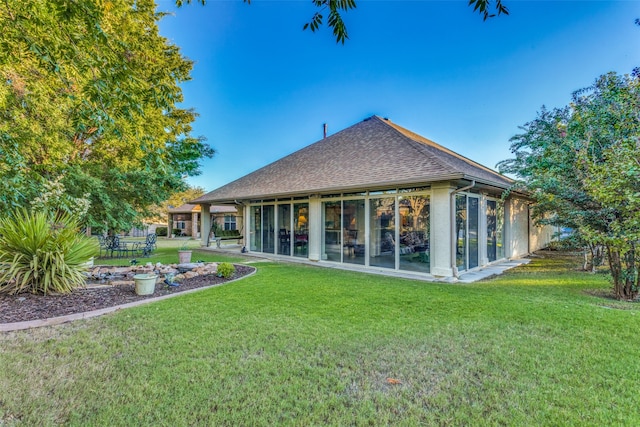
[[382, 238], [414, 233], [301, 231], [389, 229], [279, 228]]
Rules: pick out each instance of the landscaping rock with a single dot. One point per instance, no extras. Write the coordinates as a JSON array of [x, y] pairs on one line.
[[121, 282], [188, 266]]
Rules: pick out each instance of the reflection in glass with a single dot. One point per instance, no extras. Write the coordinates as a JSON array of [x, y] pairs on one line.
[[414, 233], [474, 213], [500, 230], [461, 232], [255, 238], [492, 243], [382, 244], [301, 233], [353, 231], [284, 229], [268, 223], [332, 243]]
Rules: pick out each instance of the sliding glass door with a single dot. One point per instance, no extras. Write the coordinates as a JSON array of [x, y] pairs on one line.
[[382, 235], [301, 231], [414, 233], [268, 223], [467, 219], [495, 226], [353, 232], [284, 229], [332, 236]]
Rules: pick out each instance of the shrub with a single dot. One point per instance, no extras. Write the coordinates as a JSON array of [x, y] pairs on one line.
[[161, 231], [42, 253], [226, 270]]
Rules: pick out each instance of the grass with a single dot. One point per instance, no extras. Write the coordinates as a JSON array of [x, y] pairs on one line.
[[167, 253], [301, 345]]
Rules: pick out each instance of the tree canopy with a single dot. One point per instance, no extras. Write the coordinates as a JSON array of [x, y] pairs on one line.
[[88, 98], [581, 165]]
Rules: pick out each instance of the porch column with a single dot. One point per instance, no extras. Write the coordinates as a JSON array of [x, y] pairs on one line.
[[169, 225], [246, 218], [440, 238], [315, 228], [240, 220], [205, 213]]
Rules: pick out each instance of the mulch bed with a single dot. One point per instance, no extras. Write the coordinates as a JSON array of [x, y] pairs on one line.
[[23, 307]]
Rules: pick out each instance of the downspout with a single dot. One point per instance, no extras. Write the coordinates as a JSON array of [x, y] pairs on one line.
[[454, 239]]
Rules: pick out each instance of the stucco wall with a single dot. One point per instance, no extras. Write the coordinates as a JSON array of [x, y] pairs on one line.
[[523, 235], [540, 236], [517, 221]]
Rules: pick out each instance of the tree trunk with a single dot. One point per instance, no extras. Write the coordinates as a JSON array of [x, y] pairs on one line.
[[586, 266], [624, 273]]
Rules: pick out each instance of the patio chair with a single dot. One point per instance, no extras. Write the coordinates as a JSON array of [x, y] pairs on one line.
[[145, 249], [120, 248], [151, 240], [102, 241]]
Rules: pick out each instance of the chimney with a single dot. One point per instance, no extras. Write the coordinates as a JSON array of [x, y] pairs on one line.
[[324, 128]]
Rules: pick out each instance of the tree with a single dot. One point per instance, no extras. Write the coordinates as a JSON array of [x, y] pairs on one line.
[[333, 9], [89, 99], [581, 165]]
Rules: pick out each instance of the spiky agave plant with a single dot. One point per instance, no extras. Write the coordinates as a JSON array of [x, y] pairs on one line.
[[41, 253]]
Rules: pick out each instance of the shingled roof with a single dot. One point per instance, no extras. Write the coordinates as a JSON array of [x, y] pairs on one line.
[[190, 208], [374, 153]]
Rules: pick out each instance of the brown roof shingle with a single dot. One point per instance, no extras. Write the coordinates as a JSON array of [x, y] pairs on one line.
[[371, 154]]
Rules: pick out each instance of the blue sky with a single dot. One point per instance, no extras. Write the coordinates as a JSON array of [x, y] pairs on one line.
[[263, 87]]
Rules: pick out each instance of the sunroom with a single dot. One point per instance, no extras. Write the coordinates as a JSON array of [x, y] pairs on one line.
[[378, 197]]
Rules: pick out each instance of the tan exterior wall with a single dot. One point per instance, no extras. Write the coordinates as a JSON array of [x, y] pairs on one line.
[[517, 233], [523, 236], [541, 236]]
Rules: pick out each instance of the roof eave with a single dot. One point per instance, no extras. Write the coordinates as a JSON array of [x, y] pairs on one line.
[[355, 188]]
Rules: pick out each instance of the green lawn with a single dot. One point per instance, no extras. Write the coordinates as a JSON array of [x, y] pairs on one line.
[[302, 345], [167, 253]]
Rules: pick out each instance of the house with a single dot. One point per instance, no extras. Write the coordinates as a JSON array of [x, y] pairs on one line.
[[381, 197], [185, 220]]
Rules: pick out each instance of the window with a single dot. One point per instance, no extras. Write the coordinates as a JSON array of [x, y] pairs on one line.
[[229, 222]]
